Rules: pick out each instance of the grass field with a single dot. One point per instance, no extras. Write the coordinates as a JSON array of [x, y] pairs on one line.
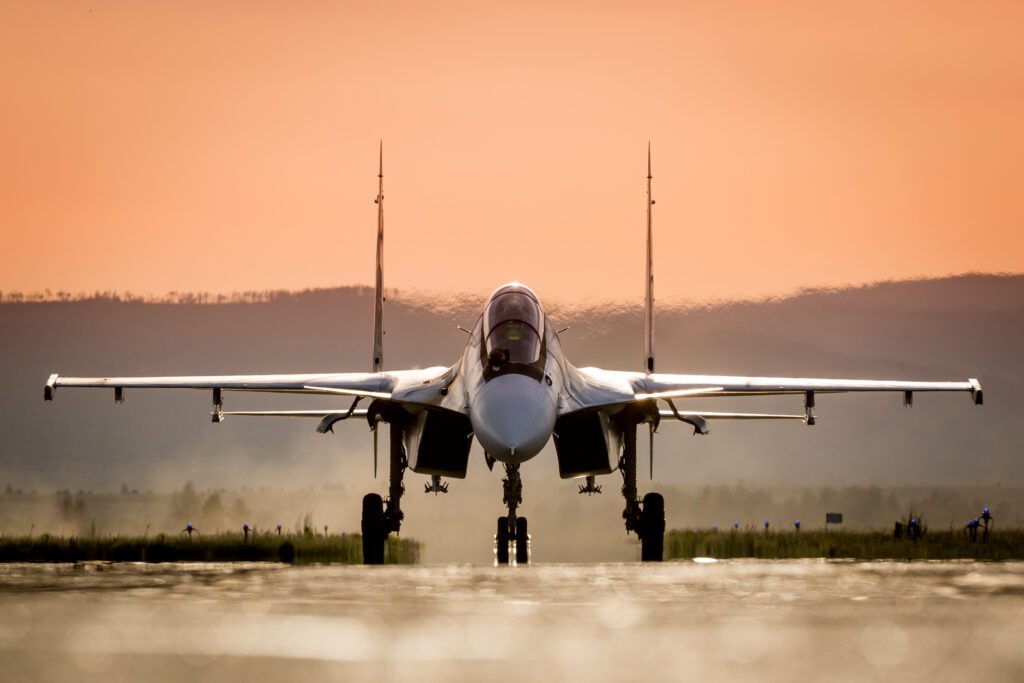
[[870, 545], [229, 547]]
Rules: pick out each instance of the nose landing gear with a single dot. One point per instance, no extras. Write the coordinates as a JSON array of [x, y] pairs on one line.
[[512, 530], [508, 545]]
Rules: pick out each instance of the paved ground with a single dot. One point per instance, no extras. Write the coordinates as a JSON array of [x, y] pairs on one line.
[[730, 620]]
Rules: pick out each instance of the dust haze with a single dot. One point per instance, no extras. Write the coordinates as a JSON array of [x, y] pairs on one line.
[[868, 454]]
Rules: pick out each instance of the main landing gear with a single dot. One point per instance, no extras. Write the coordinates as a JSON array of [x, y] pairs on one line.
[[647, 519], [512, 530], [381, 517], [644, 517]]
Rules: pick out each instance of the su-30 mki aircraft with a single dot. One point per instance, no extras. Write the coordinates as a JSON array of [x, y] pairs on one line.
[[513, 390]]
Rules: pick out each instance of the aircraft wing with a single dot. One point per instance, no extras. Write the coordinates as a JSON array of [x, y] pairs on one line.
[[594, 387], [426, 387]]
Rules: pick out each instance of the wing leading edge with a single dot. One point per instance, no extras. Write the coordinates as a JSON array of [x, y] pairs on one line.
[[426, 387], [594, 387], [307, 384]]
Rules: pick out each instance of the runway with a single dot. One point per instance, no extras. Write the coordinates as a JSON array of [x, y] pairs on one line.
[[730, 620]]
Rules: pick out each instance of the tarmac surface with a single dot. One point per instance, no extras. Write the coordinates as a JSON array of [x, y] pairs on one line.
[[727, 620]]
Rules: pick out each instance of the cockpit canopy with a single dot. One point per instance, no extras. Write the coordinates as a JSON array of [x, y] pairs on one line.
[[513, 325]]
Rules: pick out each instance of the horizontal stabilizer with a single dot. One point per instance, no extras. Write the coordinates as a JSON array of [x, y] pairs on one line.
[[708, 415], [349, 392], [327, 417], [677, 393], [361, 412]]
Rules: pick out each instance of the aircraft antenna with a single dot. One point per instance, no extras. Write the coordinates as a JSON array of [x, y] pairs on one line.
[[378, 300], [649, 293]]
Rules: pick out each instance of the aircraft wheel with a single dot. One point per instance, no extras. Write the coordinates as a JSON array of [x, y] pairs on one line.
[[373, 529], [652, 528], [522, 544], [503, 540]]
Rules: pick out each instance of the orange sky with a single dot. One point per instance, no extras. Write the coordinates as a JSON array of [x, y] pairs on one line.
[[157, 146]]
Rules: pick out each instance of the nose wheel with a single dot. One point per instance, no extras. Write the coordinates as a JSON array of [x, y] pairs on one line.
[[512, 530], [522, 542], [509, 544], [502, 541]]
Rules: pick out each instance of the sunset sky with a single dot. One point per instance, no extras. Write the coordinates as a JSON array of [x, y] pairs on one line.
[[224, 146]]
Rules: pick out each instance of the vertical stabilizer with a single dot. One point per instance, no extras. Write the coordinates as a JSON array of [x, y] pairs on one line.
[[649, 302], [378, 294], [649, 292]]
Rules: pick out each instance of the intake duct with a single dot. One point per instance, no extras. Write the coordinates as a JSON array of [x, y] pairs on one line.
[[583, 444]]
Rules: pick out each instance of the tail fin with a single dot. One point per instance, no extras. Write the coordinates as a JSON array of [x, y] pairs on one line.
[[649, 294], [378, 303], [649, 304]]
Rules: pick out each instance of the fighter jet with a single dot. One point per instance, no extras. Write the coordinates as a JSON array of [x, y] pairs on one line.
[[513, 390]]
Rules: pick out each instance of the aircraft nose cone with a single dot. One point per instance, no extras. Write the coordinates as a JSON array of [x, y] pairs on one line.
[[513, 416]]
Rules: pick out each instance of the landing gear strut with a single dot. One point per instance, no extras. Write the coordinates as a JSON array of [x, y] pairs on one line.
[[381, 517], [512, 528], [646, 519]]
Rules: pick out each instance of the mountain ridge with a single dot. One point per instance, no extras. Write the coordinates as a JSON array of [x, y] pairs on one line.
[[954, 328]]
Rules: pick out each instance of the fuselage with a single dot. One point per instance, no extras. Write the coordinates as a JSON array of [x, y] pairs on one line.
[[513, 374]]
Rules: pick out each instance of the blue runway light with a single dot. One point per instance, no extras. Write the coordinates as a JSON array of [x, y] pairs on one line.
[[985, 511], [735, 525]]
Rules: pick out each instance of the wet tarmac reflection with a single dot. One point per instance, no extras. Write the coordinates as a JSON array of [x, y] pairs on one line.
[[730, 620]]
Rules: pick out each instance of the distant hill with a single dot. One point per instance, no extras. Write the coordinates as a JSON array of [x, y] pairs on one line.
[[954, 328]]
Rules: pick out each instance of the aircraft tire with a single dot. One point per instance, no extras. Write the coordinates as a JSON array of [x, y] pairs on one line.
[[373, 529], [652, 528], [522, 544], [503, 539]]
